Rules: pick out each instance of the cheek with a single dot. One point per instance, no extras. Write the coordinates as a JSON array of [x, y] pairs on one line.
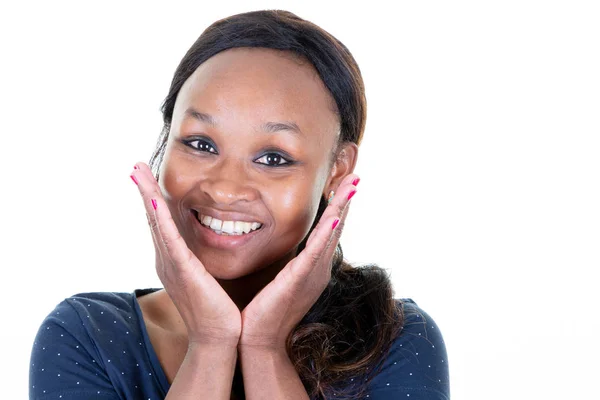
[[295, 208], [170, 183], [173, 180]]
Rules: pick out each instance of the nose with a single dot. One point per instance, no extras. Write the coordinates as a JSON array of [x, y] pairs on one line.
[[228, 183]]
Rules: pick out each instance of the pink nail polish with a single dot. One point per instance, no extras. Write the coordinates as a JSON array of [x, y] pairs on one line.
[[154, 204], [351, 194], [355, 182], [133, 178], [337, 220]]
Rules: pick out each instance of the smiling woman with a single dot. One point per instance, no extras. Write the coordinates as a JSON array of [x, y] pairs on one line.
[[246, 197]]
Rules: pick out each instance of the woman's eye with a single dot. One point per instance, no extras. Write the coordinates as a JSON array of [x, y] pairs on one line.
[[269, 159], [274, 160], [201, 145]]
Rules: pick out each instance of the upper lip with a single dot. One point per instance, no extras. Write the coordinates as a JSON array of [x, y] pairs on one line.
[[227, 215]]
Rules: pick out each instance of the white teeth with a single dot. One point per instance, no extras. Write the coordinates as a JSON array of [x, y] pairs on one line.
[[228, 227], [215, 224], [240, 226], [206, 220]]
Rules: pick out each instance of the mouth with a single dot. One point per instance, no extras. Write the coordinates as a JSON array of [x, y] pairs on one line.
[[224, 234], [227, 228]]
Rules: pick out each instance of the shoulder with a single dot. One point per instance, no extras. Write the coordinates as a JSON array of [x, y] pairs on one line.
[[416, 320], [420, 332], [417, 363], [105, 301], [93, 315], [76, 344], [82, 315], [96, 308], [65, 351], [82, 310]]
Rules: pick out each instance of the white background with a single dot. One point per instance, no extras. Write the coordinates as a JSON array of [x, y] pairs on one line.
[[480, 169]]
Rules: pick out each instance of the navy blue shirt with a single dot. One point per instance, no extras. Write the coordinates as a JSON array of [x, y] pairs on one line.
[[95, 346]]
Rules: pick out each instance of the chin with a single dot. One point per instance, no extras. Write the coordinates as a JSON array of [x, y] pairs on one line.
[[224, 270]]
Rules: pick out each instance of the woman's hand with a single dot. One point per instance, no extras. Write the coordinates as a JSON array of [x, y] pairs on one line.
[[206, 309], [278, 307]]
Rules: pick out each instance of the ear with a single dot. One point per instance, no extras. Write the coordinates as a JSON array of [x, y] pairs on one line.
[[343, 165]]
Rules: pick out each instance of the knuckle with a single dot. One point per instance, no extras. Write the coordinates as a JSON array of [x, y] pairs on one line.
[[170, 241], [152, 224], [340, 226], [315, 258]]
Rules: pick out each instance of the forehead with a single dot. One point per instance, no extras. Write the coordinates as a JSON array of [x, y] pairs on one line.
[[254, 85]]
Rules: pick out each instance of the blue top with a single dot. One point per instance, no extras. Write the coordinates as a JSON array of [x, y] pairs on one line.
[[95, 346]]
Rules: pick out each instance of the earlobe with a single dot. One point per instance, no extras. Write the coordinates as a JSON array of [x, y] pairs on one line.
[[344, 164], [330, 197]]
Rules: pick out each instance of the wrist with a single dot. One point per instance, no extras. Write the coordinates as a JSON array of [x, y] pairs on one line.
[[229, 345], [212, 354], [270, 374], [214, 339], [266, 352]]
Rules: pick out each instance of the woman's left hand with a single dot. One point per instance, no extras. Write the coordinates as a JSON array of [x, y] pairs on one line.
[[276, 310]]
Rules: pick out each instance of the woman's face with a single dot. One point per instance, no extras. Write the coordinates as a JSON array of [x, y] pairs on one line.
[[233, 153]]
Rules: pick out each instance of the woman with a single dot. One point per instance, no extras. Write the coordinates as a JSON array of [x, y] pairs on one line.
[[253, 175]]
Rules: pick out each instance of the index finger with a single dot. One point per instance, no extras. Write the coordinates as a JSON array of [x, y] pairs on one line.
[[324, 238], [164, 230]]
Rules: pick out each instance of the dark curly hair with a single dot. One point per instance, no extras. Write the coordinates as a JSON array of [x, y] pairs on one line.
[[339, 343]]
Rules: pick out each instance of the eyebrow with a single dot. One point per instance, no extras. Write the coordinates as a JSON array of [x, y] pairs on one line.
[[268, 127]]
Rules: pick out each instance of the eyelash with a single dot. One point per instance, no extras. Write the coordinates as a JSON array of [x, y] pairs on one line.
[[202, 143]]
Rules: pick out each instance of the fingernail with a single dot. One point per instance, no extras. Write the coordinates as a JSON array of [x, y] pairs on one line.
[[154, 204], [335, 223], [133, 178], [351, 194], [355, 182]]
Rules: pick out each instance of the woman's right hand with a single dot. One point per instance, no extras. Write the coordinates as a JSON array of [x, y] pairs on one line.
[[206, 309]]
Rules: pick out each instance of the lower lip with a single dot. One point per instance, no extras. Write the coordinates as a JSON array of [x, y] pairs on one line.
[[213, 239]]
